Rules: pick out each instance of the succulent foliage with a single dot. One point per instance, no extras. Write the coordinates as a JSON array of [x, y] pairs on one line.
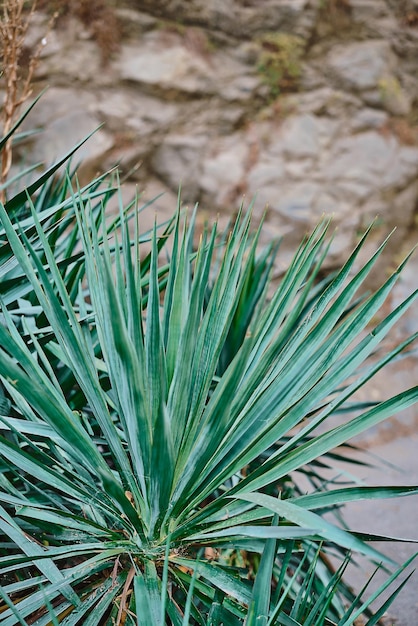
[[157, 406]]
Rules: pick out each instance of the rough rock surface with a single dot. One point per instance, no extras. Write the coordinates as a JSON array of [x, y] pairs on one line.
[[214, 97]]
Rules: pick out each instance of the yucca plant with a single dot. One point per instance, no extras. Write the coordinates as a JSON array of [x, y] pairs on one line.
[[155, 409]]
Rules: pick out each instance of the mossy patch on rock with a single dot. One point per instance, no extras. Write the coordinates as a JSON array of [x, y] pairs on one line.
[[280, 61]]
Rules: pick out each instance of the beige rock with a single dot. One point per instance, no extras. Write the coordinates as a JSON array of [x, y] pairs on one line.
[[361, 65]]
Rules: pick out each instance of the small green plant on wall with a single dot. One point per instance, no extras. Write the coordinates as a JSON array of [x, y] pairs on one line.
[[280, 61]]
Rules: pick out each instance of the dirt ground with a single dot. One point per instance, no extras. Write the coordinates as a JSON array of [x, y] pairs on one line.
[[395, 517]]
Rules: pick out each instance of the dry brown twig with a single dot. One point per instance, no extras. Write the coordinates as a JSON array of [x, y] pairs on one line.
[[17, 80]]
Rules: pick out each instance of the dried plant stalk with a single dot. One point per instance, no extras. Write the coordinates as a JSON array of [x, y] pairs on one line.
[[17, 80]]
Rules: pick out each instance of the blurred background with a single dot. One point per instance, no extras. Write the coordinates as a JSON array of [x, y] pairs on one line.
[[311, 105]]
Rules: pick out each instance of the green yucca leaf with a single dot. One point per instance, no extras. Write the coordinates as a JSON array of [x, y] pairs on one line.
[[95, 604], [71, 338], [147, 596], [212, 333], [13, 610], [351, 494], [303, 600], [262, 532], [176, 298], [319, 609], [64, 519], [15, 126], [102, 601], [29, 547], [220, 578], [305, 453], [13, 563], [37, 599], [125, 373], [178, 402], [305, 518], [161, 464], [352, 615], [239, 433], [189, 600], [259, 608], [383, 609], [17, 200]]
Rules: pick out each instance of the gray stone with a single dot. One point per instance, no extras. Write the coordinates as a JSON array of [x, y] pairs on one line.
[[61, 135], [372, 98], [134, 110], [178, 161], [404, 204], [404, 168], [224, 171], [361, 65], [324, 101], [173, 66], [66, 116], [405, 41], [77, 60], [292, 203], [300, 168], [374, 18], [114, 107], [241, 87], [329, 202], [297, 204], [218, 118], [165, 68], [352, 190], [299, 136], [312, 77], [367, 119], [367, 10], [368, 158], [267, 172], [235, 17], [58, 102], [134, 23]]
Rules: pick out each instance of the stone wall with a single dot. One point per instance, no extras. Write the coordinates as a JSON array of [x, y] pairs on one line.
[[311, 105]]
